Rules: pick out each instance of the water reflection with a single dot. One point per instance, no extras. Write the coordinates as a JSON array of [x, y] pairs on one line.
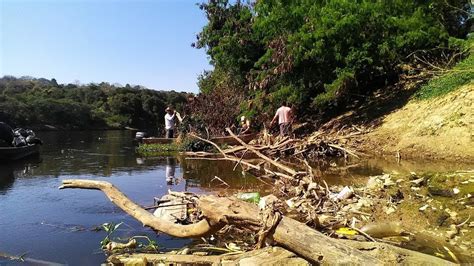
[[7, 178], [170, 171], [10, 170], [30, 201]]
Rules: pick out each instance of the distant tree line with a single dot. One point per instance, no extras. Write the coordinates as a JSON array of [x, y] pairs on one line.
[[37, 102], [321, 54]]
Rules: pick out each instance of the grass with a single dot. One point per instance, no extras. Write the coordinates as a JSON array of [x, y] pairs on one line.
[[459, 75], [156, 149]]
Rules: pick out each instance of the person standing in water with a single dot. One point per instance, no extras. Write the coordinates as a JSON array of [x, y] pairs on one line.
[[285, 118]]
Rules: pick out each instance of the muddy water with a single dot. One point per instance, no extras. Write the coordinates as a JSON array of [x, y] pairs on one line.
[[428, 229], [58, 225]]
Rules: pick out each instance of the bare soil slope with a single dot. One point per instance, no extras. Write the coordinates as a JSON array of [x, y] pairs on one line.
[[439, 128]]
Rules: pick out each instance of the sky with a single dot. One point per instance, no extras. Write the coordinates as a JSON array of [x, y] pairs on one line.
[[139, 42]]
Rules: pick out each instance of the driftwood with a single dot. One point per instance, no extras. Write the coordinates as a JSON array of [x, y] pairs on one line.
[[259, 154], [297, 237], [137, 212], [241, 161], [267, 256]]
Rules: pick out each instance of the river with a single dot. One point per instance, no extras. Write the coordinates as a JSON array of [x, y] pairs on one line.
[[42, 222]]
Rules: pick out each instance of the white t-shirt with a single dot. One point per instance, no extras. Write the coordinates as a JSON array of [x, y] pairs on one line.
[[169, 121], [283, 114]]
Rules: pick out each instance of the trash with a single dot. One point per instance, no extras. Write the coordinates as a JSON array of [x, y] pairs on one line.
[[364, 202], [112, 245], [456, 191], [253, 197], [418, 182], [383, 229], [388, 182], [345, 193], [454, 230], [389, 210], [264, 201], [374, 183], [423, 208], [173, 209], [233, 247], [346, 231], [452, 214], [290, 203]]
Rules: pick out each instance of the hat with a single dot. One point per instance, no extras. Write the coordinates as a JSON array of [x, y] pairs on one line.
[[242, 118]]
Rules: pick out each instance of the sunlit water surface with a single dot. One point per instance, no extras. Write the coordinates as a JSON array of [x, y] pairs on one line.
[[43, 222]]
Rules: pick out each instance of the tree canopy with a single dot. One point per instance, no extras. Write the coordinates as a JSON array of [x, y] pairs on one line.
[[316, 52], [31, 102]]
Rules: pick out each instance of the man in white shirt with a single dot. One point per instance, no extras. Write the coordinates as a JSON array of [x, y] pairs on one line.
[[285, 118], [170, 121]]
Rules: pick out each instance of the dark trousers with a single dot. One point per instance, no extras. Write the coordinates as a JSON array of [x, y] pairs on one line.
[[285, 129], [169, 133]]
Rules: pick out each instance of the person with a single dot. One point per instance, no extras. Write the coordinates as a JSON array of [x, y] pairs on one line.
[[170, 170], [6, 134], [170, 121], [285, 118], [244, 126]]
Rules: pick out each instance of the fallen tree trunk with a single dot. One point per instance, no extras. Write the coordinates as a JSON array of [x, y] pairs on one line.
[[297, 237], [137, 212], [267, 256]]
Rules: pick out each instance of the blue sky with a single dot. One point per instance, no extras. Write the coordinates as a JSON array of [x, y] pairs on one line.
[[140, 42]]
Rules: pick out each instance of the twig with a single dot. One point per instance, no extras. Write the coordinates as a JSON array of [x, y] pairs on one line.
[[363, 233], [222, 181], [235, 166]]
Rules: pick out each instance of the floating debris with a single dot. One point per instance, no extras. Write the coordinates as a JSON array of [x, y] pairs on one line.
[[424, 207]]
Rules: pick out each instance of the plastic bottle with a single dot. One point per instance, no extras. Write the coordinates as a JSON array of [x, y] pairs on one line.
[[253, 197]]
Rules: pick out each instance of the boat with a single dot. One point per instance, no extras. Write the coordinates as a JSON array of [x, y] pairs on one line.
[[16, 153], [229, 140]]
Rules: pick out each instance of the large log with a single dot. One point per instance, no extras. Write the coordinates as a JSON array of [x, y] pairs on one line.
[[265, 256], [137, 212], [295, 236]]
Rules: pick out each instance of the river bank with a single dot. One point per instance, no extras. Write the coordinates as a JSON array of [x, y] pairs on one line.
[[403, 202], [439, 128]]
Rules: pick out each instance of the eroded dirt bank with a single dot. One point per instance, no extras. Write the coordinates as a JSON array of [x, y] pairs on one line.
[[439, 128]]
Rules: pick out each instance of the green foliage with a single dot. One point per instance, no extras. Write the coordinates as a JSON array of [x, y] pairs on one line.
[[461, 74], [344, 82], [193, 144], [30, 102], [315, 53], [109, 228], [158, 149]]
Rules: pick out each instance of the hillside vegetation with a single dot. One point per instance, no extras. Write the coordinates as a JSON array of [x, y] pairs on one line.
[[35, 103], [322, 56]]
